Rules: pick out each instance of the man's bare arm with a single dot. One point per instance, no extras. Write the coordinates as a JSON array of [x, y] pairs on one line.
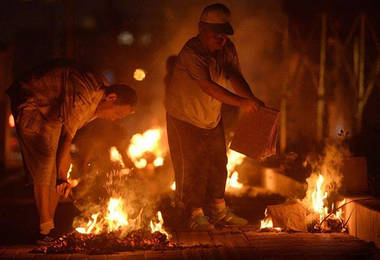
[[240, 85], [227, 97], [63, 161]]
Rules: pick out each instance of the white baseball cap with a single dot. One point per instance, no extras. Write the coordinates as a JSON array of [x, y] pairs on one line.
[[217, 17]]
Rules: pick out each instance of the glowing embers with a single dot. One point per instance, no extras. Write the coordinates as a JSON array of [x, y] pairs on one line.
[[146, 149], [139, 74]]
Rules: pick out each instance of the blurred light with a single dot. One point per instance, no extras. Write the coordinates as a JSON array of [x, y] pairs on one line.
[[125, 38], [146, 38], [88, 22], [159, 161], [11, 121], [139, 74]]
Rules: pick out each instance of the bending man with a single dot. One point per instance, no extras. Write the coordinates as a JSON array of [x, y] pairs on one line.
[[49, 105]]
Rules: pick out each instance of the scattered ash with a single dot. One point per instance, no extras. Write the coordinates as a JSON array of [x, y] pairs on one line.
[[107, 243]]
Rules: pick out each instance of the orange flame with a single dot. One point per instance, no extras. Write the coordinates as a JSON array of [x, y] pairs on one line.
[[116, 217], [267, 222], [146, 143], [234, 160], [115, 156], [157, 226]]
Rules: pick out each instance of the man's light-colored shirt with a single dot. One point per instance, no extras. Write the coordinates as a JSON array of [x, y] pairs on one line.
[[185, 100], [62, 93]]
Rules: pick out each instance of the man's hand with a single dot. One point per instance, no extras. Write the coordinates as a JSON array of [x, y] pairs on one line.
[[249, 105], [63, 188]]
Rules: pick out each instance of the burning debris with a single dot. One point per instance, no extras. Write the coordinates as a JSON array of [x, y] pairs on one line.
[[321, 209], [106, 243]]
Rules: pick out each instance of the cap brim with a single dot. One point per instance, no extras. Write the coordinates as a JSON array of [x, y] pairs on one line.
[[224, 28]]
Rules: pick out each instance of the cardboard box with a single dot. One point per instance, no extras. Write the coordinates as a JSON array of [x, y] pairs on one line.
[[256, 133]]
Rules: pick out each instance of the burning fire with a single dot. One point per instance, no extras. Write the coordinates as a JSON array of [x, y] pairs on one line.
[[115, 156], [267, 223], [71, 181], [318, 204], [144, 146], [116, 218], [234, 160], [322, 183], [157, 226]]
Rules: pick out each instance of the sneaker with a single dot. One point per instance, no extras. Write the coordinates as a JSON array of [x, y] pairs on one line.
[[47, 239], [227, 217], [200, 223]]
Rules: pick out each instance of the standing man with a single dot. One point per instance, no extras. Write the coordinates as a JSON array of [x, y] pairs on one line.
[[49, 105], [193, 102]]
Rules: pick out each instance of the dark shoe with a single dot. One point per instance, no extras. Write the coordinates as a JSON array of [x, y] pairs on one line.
[[200, 223], [47, 239], [227, 217]]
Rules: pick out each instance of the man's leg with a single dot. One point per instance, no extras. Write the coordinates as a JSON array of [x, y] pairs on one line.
[[42, 198], [187, 152], [217, 179]]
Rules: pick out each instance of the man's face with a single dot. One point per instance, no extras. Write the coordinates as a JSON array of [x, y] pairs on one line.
[[115, 111], [214, 41]]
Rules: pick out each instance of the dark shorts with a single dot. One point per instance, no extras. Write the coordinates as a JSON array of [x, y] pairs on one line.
[[199, 160]]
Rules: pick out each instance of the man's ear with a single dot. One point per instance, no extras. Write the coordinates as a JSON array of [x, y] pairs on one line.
[[111, 97]]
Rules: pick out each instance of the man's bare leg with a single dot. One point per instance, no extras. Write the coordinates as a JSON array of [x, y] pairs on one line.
[[42, 197], [53, 201]]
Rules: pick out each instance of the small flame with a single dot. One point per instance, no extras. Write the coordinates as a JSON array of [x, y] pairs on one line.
[[139, 74], [173, 186], [90, 225], [115, 156], [157, 226], [267, 222], [72, 182]]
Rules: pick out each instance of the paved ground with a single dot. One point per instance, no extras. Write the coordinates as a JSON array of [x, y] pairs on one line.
[[19, 221], [235, 243]]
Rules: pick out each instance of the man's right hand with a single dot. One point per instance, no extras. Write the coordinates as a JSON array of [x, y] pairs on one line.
[[64, 189], [249, 105]]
